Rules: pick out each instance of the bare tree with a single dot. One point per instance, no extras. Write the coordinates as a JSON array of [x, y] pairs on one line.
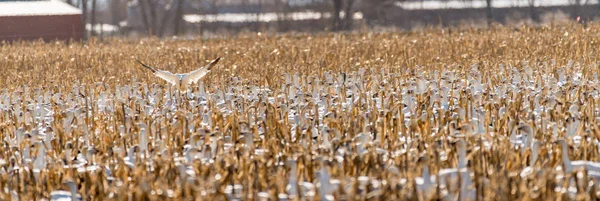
[[178, 17], [533, 13], [283, 10], [156, 16], [490, 16], [349, 14], [576, 5], [246, 8], [84, 17], [258, 12], [337, 9], [374, 11], [93, 20], [213, 9], [152, 8], [148, 8], [143, 7], [339, 23], [115, 13]]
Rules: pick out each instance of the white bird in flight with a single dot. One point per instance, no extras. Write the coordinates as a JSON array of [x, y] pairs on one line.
[[182, 81]]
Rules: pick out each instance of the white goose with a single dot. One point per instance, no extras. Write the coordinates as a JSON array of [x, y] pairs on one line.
[[534, 156], [571, 166], [465, 193], [291, 187], [182, 81], [66, 195], [327, 186], [425, 183], [592, 168]]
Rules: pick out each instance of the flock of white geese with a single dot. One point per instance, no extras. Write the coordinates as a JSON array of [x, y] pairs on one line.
[[533, 111]]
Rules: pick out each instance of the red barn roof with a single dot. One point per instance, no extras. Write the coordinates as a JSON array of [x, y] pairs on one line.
[[48, 20]]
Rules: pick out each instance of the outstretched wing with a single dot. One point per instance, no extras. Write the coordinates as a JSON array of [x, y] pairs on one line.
[[194, 76], [165, 75]]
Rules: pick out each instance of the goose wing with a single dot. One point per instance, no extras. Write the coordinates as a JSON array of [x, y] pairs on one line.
[[194, 76], [165, 75]]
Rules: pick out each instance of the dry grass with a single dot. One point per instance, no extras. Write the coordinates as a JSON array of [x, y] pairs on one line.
[[379, 128]]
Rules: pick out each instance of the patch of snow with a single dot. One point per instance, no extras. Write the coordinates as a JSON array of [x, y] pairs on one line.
[[263, 17], [458, 4], [102, 28]]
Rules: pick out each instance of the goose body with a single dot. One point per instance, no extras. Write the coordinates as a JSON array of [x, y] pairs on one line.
[[533, 158], [61, 195], [571, 166], [182, 81], [426, 183], [451, 176]]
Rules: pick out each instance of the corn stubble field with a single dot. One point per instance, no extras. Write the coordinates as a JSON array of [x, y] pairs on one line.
[[461, 114]]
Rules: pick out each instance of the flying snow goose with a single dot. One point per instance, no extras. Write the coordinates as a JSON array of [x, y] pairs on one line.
[[182, 81]]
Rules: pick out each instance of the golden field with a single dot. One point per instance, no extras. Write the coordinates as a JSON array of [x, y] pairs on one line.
[[488, 114]]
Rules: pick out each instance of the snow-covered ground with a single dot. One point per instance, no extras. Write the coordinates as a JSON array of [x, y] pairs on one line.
[[106, 28], [263, 17], [455, 4]]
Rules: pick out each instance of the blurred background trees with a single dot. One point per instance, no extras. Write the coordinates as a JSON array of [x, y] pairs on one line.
[[162, 18]]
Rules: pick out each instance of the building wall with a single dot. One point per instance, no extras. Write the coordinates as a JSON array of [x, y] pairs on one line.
[[61, 27]]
